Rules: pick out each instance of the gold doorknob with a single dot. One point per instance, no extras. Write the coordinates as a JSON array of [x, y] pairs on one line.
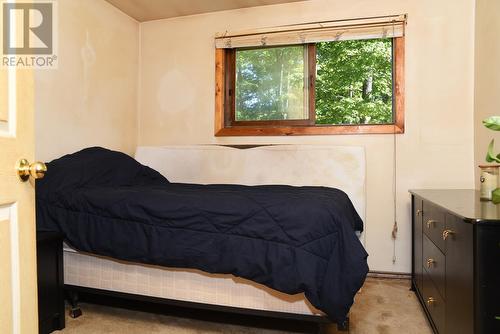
[[431, 301], [430, 262], [36, 170]]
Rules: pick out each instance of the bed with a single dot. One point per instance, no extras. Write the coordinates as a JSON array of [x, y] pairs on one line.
[[125, 219]]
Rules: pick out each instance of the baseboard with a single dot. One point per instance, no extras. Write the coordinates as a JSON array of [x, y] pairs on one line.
[[388, 274]]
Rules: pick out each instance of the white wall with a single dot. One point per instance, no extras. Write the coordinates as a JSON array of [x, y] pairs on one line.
[[176, 101], [91, 99], [487, 77]]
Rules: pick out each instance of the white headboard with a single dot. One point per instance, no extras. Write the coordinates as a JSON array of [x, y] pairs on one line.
[[340, 167]]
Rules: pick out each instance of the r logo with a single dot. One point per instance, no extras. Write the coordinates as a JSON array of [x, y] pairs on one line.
[[27, 29]]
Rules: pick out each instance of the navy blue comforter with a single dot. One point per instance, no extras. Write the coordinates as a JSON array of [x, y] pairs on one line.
[[292, 239]]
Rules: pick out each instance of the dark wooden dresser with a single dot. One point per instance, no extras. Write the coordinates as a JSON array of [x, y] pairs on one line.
[[50, 281], [456, 260]]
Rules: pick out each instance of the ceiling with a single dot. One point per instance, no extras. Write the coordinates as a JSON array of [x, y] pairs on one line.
[[146, 10]]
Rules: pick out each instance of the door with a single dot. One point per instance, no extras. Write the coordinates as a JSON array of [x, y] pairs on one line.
[[18, 290], [487, 241], [458, 236]]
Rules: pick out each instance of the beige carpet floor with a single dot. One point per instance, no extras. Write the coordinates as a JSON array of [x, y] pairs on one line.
[[383, 306]]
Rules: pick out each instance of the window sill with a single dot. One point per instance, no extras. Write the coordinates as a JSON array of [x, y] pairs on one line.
[[308, 130]]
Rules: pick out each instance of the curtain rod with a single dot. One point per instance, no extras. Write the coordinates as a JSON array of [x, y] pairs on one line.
[[401, 17], [395, 18]]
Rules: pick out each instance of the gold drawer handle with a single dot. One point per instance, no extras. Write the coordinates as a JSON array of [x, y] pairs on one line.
[[430, 262], [419, 212], [430, 222], [431, 301], [447, 233]]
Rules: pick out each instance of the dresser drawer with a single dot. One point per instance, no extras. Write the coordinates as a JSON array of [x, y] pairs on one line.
[[434, 263], [434, 224], [434, 304], [417, 243]]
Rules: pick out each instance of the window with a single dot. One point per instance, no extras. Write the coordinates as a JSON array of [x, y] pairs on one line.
[[351, 85], [270, 84]]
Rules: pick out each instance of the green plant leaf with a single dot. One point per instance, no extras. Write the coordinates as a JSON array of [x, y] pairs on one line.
[[490, 156], [492, 123], [495, 196]]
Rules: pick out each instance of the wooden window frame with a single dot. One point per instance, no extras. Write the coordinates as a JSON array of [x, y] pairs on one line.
[[226, 125]]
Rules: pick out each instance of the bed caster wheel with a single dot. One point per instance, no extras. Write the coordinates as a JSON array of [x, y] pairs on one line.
[[343, 326], [75, 312]]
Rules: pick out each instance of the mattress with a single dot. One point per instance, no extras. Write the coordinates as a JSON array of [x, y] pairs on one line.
[[341, 167]]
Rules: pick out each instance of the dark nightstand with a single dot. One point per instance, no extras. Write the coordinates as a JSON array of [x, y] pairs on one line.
[[50, 281], [456, 239]]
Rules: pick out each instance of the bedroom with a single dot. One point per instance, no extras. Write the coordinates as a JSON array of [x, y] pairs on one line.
[[140, 77]]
